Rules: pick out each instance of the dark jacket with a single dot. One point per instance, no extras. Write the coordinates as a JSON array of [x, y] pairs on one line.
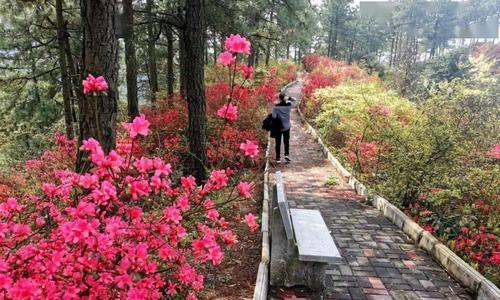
[[273, 125]]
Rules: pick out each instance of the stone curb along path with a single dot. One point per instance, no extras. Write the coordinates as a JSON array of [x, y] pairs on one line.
[[454, 265]]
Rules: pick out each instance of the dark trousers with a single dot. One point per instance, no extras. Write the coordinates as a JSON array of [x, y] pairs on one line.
[[286, 140]]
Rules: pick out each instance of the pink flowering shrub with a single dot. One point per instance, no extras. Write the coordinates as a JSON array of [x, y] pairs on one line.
[[132, 227], [123, 230]]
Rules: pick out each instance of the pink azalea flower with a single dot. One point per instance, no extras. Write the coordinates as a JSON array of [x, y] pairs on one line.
[[90, 145], [228, 237], [21, 229], [49, 189], [161, 168], [212, 214], [494, 151], [88, 181], [135, 212], [143, 165], [102, 195], [245, 189], [247, 71], [171, 289], [25, 289], [172, 214], [251, 222], [186, 274], [188, 183], [215, 255], [92, 84], [208, 204], [182, 203], [191, 296], [139, 188], [226, 58], [250, 148], [139, 126], [228, 111], [237, 44], [218, 179]]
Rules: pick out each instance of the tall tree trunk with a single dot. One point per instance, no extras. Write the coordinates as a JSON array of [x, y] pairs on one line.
[[182, 65], [257, 56], [295, 53], [194, 38], [269, 40], [252, 56], [214, 44], [254, 21], [66, 84], [391, 55], [351, 48], [205, 51], [170, 60], [74, 75], [330, 33], [335, 32], [100, 57], [130, 61], [153, 73], [288, 51]]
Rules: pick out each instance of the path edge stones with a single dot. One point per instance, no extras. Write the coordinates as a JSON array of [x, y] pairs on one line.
[[467, 276], [261, 283]]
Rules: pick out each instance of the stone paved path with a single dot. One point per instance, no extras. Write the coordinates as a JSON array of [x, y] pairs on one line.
[[379, 261]]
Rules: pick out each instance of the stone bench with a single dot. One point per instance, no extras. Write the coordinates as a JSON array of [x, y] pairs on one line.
[[301, 244]]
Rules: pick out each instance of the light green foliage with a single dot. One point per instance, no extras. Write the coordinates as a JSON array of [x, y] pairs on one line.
[[331, 180], [345, 112], [430, 155]]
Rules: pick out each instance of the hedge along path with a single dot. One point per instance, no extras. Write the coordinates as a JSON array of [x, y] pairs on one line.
[[379, 260]]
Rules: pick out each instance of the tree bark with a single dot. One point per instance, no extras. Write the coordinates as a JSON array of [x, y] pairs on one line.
[[170, 60], [194, 46], [66, 84], [153, 73], [130, 60], [100, 57]]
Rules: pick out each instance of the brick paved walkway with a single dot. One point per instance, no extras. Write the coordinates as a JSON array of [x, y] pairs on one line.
[[379, 260]]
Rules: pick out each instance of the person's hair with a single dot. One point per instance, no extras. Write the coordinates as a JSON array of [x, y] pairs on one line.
[[282, 97]]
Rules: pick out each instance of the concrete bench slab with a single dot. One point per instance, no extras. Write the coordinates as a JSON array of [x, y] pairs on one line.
[[283, 205], [314, 241]]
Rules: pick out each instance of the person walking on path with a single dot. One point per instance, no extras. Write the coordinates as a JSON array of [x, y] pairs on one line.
[[282, 111]]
